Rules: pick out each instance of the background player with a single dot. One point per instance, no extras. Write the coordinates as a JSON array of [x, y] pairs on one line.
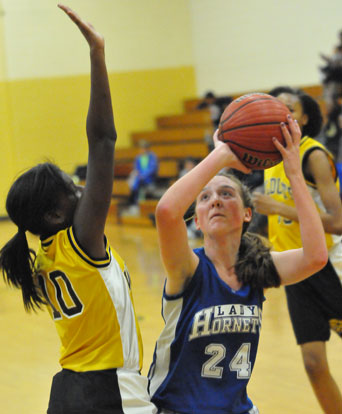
[[315, 304]]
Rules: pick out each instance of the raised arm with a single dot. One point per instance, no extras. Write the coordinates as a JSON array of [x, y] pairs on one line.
[[296, 265], [178, 258], [90, 216]]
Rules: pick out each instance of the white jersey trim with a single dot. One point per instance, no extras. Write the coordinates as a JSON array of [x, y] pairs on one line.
[[118, 289], [134, 395], [171, 312]]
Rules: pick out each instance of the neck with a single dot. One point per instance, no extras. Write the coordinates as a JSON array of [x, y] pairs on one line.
[[223, 251], [223, 254]]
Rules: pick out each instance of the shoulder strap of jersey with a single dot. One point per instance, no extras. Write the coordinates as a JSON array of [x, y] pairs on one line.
[[103, 262]]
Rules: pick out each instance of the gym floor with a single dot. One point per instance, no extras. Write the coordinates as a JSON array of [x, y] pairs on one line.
[[29, 346]]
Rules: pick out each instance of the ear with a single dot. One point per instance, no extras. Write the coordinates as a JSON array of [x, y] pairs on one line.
[[54, 217], [248, 215], [196, 223], [305, 119]]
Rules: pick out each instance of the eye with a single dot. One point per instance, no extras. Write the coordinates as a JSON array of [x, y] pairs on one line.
[[204, 197], [226, 193]]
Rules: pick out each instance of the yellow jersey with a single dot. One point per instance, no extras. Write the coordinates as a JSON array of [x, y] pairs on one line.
[[283, 233], [90, 301]]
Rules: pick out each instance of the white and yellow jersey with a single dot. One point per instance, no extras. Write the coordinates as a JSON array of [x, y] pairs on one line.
[[283, 233], [91, 303]]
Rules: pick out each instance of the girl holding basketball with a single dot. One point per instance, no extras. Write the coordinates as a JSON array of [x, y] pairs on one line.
[[83, 281], [213, 296]]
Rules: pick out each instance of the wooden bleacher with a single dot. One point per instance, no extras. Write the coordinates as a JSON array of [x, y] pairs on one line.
[[176, 138], [173, 135], [147, 209], [166, 151], [188, 119], [167, 168], [121, 188]]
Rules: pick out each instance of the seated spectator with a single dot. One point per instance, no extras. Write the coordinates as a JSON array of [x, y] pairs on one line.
[[187, 165], [216, 106], [331, 74], [144, 174]]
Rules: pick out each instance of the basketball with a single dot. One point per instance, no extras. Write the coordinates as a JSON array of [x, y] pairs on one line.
[[248, 125]]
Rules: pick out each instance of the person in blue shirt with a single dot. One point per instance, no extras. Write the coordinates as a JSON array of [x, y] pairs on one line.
[[144, 173], [213, 296]]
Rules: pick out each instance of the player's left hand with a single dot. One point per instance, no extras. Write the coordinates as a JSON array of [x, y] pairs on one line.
[[290, 152], [94, 39]]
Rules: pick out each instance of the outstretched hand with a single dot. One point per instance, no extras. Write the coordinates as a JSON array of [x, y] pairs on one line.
[[290, 152], [234, 161], [94, 39]]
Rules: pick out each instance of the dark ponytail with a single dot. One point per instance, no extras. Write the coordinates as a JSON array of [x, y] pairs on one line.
[[17, 264], [255, 265], [30, 197]]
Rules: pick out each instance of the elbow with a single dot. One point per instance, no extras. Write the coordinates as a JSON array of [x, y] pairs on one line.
[[111, 138], [166, 212], [320, 259], [163, 211]]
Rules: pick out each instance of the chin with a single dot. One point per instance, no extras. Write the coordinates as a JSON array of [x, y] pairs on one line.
[[217, 230]]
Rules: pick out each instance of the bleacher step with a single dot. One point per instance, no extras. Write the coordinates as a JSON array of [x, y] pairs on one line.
[[136, 221]]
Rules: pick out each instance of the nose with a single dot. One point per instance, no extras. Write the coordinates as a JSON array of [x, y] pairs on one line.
[[215, 201]]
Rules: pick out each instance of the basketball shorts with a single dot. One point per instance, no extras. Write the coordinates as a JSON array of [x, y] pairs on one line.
[[113, 391], [315, 306]]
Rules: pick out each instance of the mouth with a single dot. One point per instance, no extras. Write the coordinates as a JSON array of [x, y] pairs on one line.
[[216, 215]]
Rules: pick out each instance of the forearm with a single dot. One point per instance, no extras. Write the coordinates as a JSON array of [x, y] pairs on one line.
[[289, 212], [100, 120]]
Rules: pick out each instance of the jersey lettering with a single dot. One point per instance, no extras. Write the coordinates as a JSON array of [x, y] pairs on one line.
[[68, 301], [239, 363], [210, 368], [276, 186], [225, 319], [56, 315]]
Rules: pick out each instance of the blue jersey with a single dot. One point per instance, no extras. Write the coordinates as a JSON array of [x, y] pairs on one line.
[[204, 356]]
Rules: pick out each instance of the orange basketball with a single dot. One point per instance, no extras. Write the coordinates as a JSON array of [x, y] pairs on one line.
[[248, 125]]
